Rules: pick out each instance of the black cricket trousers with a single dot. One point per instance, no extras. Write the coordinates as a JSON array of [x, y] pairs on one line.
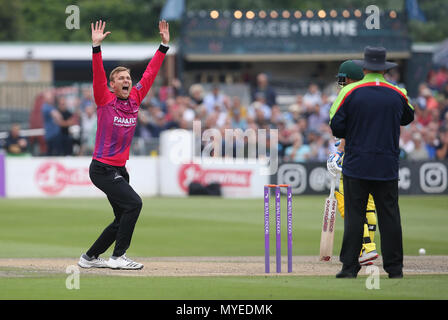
[[125, 202], [385, 195]]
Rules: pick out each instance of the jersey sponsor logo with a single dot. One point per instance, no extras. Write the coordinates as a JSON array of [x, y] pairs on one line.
[[53, 177], [138, 86], [125, 122], [189, 173]]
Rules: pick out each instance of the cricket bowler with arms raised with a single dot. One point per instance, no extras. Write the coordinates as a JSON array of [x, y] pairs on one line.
[[117, 119], [348, 73]]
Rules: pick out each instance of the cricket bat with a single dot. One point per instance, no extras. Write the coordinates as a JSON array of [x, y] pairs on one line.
[[327, 235]]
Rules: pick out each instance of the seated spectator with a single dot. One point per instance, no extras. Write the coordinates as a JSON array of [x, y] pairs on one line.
[[262, 86], [431, 102], [422, 114], [86, 98], [258, 109], [197, 93], [236, 106], [406, 143], [88, 130], [316, 117], [442, 144], [298, 152], [419, 152], [285, 137], [276, 115], [214, 99], [430, 138], [15, 144], [312, 96], [237, 121], [318, 152]]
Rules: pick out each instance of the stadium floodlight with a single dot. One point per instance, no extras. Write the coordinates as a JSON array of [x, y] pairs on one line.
[[274, 14], [333, 13], [250, 14], [214, 14], [286, 14], [358, 13], [346, 14], [262, 14], [309, 14], [297, 14], [238, 14], [322, 14], [393, 14]]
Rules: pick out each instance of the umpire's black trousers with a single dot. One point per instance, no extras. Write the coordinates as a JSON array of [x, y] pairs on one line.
[[126, 203], [385, 195]]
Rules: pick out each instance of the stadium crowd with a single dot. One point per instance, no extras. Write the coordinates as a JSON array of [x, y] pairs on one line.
[[69, 118]]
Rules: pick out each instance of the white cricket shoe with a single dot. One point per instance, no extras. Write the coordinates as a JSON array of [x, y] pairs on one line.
[[94, 263], [124, 262], [366, 258]]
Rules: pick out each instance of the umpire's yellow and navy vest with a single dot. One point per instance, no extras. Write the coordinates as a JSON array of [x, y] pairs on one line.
[[368, 114]]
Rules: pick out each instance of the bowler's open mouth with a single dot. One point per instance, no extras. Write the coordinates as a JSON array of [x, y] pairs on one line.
[[125, 88]]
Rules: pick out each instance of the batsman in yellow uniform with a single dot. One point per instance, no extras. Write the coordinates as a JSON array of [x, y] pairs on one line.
[[348, 73]]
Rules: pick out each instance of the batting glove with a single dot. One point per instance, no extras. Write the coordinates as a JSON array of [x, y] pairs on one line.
[[334, 163]]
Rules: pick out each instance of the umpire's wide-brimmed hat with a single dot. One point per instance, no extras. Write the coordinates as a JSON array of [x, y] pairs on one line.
[[375, 59]]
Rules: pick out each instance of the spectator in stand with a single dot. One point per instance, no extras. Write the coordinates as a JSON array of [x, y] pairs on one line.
[[393, 76], [157, 122], [298, 152], [259, 109], [444, 119], [88, 130], [440, 78], [427, 95], [214, 99], [276, 115], [285, 138], [444, 90], [262, 86], [68, 119], [419, 152], [237, 107], [197, 94], [442, 144], [297, 109], [312, 97], [316, 117], [318, 146], [237, 120], [325, 108], [86, 98], [430, 138], [15, 144], [406, 143], [52, 119], [423, 115], [177, 87]]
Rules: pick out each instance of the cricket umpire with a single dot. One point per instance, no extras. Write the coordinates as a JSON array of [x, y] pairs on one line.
[[368, 115]]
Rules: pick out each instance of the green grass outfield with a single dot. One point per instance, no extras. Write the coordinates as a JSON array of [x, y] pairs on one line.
[[175, 227]]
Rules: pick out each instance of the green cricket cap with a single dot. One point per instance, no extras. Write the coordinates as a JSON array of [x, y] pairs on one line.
[[349, 69]]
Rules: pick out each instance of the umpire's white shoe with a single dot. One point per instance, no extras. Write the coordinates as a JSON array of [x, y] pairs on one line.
[[366, 258], [93, 263], [123, 262]]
